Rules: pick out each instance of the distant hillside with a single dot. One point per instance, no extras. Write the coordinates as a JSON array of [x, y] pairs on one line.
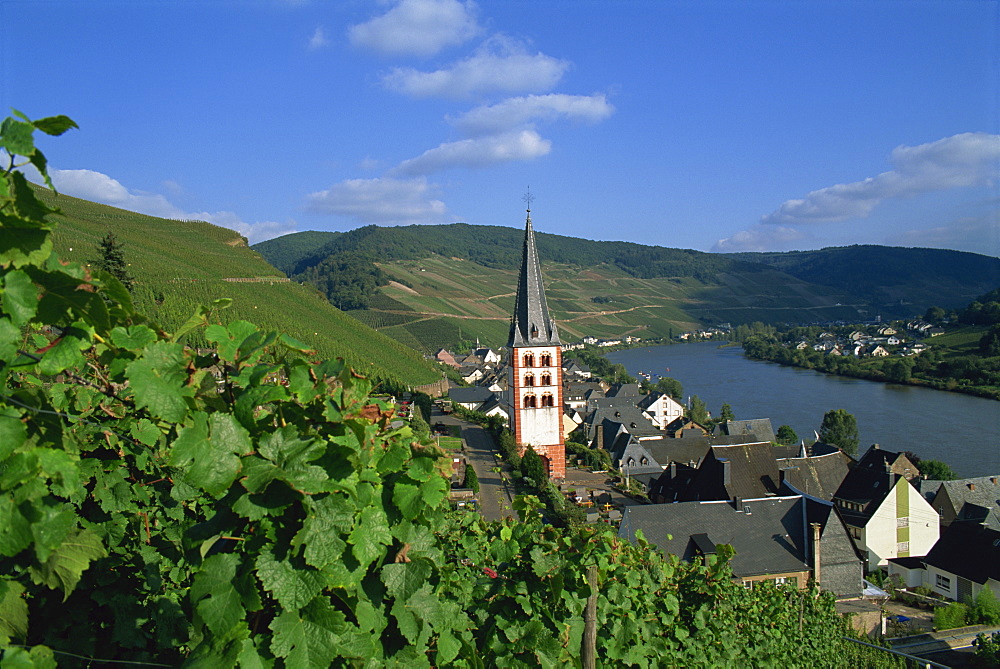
[[435, 285], [888, 277], [179, 265]]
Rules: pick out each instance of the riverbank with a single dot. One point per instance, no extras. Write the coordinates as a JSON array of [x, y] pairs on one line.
[[897, 417], [899, 371]]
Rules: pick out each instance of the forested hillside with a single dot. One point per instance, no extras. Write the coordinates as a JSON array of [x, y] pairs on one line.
[[433, 286], [179, 265]]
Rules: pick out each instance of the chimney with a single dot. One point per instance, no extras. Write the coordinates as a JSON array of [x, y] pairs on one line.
[[738, 503], [816, 555], [600, 436], [673, 469], [726, 475]]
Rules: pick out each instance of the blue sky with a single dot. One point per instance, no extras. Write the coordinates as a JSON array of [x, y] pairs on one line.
[[718, 126]]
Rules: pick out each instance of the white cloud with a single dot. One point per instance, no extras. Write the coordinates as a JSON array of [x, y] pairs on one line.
[[500, 64], [418, 27], [99, 187], [515, 112], [967, 159], [759, 238], [385, 201], [318, 39], [975, 234], [477, 153]]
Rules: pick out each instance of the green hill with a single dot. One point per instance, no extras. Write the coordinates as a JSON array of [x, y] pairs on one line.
[[435, 285], [179, 265]]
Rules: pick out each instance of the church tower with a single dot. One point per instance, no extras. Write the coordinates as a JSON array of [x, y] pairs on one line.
[[534, 370]]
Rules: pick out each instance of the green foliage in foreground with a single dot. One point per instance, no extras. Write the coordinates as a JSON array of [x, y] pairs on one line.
[[249, 506]]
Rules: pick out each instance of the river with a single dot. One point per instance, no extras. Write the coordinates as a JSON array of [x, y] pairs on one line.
[[961, 430]]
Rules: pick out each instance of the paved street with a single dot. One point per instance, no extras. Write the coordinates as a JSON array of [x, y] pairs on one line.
[[494, 499]]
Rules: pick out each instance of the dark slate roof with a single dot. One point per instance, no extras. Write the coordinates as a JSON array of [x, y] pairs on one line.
[[819, 476], [768, 540], [867, 487], [753, 473], [472, 395], [969, 550], [666, 449], [625, 390], [878, 459], [983, 491], [630, 416], [531, 324], [760, 428]]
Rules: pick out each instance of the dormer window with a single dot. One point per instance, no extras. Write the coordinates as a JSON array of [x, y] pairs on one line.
[[534, 331]]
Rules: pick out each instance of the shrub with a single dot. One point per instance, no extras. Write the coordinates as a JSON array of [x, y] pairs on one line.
[[951, 616]]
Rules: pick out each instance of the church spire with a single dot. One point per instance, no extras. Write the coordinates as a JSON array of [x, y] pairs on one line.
[[531, 325]]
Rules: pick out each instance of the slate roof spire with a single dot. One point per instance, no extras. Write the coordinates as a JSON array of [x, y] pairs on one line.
[[531, 324]]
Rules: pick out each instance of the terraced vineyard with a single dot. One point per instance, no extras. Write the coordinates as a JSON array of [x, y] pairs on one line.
[[179, 265]]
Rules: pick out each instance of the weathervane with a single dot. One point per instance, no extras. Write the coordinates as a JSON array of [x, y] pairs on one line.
[[528, 198]]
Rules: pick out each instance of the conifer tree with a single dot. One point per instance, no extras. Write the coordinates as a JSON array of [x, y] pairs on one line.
[[112, 260]]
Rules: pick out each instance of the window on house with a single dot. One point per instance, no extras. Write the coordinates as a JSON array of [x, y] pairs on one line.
[[546, 379], [529, 360], [903, 547], [546, 360], [530, 402], [942, 582], [903, 522], [547, 400], [748, 585], [529, 380]]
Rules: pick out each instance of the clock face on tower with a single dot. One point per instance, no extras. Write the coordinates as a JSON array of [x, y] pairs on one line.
[[534, 382]]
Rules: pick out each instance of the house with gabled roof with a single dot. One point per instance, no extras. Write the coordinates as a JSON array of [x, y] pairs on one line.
[[789, 539], [471, 398], [447, 357], [886, 515], [965, 560], [758, 428], [816, 470], [661, 408], [976, 499]]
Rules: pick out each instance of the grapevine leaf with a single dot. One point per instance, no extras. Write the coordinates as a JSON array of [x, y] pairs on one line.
[[308, 639], [328, 517], [292, 587], [134, 337], [20, 297], [67, 352], [13, 432], [55, 125], [67, 563], [157, 380], [405, 578], [433, 490], [20, 246], [208, 451], [406, 497], [10, 338], [15, 531], [17, 137], [370, 535], [218, 602], [292, 455], [145, 431], [13, 612]]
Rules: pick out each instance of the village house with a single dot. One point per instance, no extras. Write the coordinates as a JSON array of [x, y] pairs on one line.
[[886, 515], [789, 540], [973, 499], [964, 560]]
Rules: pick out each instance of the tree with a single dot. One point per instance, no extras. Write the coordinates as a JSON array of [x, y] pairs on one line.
[[951, 616], [989, 343], [935, 315], [669, 386], [936, 470], [471, 479], [898, 370], [786, 435], [698, 411], [840, 429], [726, 414], [984, 608], [533, 467], [112, 260]]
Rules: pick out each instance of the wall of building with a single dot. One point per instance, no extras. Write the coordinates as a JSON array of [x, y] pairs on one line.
[[904, 525]]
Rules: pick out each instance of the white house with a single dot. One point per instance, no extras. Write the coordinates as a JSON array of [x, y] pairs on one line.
[[661, 408]]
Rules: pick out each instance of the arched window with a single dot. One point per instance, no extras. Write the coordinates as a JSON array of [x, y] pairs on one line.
[[546, 360], [547, 400], [529, 359], [546, 379], [529, 380], [530, 402]]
